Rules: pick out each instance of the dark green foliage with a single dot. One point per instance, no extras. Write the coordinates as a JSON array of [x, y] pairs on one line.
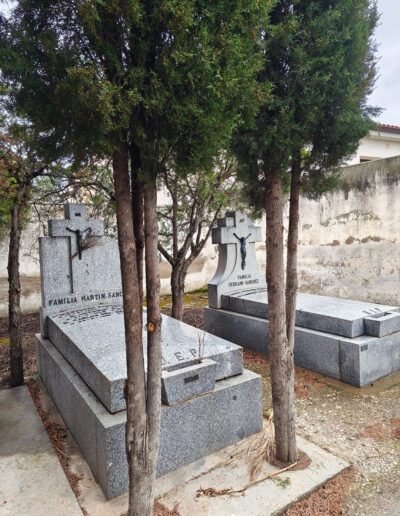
[[320, 64], [172, 76]]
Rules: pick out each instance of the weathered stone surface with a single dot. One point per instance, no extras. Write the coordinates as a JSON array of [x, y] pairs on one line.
[[357, 361], [189, 430], [237, 265], [382, 324], [343, 317], [93, 342]]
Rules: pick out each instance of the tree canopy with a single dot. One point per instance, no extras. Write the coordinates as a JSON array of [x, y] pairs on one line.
[[320, 64], [172, 75]]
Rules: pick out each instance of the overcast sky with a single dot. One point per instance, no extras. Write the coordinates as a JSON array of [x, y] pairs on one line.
[[387, 89]]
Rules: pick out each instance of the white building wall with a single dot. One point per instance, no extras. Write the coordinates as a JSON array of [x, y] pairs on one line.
[[378, 145]]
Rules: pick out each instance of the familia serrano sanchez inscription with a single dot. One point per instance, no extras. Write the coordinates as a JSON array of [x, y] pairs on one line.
[[237, 268]]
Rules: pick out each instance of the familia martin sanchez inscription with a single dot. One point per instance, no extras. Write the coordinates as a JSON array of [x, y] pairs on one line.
[[237, 268], [75, 264]]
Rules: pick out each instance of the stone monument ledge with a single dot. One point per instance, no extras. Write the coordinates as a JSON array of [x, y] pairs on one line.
[[352, 341]]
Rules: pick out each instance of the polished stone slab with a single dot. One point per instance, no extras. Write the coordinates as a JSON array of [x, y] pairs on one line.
[[184, 381], [358, 361], [343, 317], [189, 430], [93, 342], [382, 324], [79, 266]]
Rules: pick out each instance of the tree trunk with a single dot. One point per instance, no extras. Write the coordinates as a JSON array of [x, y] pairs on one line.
[[14, 292], [281, 356], [291, 263], [178, 291], [140, 488], [138, 225], [153, 334]]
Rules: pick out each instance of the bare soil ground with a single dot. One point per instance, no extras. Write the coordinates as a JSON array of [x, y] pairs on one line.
[[360, 425]]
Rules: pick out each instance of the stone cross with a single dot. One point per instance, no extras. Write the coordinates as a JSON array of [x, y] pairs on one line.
[[79, 266], [237, 268], [76, 226]]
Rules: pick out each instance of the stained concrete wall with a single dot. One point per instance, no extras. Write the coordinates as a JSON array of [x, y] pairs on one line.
[[350, 239]]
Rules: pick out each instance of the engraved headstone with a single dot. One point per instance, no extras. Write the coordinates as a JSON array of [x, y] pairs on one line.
[[237, 269], [79, 266], [208, 400]]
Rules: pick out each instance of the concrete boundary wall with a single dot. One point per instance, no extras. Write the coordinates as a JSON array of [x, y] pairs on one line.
[[349, 242]]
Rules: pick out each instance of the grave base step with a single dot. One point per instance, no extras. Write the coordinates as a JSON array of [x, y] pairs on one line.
[[189, 430], [358, 361]]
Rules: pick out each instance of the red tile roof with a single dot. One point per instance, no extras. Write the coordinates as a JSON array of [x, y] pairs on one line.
[[389, 128]]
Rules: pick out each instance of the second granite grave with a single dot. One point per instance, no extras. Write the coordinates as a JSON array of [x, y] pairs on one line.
[[353, 341]]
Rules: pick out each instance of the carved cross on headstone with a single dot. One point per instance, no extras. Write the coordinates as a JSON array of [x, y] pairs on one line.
[[237, 265], [79, 266], [76, 226]]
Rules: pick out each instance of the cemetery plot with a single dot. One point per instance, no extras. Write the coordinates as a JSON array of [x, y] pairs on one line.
[[353, 341], [209, 400]]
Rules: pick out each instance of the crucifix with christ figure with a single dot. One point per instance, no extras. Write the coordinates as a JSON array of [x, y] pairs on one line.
[[237, 264], [75, 222]]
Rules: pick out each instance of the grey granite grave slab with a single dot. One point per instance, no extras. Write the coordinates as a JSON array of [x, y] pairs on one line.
[[353, 341], [382, 324], [181, 382], [343, 317], [358, 361], [73, 274], [93, 342], [189, 430]]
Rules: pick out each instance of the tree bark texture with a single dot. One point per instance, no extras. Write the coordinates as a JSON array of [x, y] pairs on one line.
[[14, 292], [153, 332], [138, 223], [140, 488], [281, 356], [291, 263], [178, 277]]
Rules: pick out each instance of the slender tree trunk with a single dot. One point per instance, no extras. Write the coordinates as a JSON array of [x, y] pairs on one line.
[[178, 277], [153, 334], [14, 292], [291, 264], [140, 488], [175, 235], [138, 223], [282, 366]]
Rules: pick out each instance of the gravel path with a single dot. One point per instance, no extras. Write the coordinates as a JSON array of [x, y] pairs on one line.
[[363, 428]]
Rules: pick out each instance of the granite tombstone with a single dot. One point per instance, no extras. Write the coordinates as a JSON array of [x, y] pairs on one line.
[[208, 400], [353, 341], [237, 268]]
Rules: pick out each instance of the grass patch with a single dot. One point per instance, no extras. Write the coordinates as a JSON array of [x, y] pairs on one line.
[[4, 342]]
